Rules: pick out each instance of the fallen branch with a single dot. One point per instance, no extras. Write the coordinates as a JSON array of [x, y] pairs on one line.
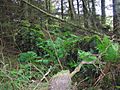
[[62, 80], [77, 69], [104, 72], [62, 20], [46, 74]]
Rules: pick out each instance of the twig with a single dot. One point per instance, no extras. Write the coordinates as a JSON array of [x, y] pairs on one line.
[[54, 49], [40, 72], [1, 52], [44, 77], [104, 72], [77, 69], [46, 74]]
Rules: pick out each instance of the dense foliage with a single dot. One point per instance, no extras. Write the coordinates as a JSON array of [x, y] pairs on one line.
[[37, 41]]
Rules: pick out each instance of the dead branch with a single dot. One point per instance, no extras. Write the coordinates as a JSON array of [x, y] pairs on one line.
[[62, 20]]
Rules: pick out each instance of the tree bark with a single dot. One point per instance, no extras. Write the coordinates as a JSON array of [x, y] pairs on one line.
[[47, 8], [62, 8], [85, 13], [103, 16], [93, 8], [78, 10], [71, 9], [116, 17], [78, 6]]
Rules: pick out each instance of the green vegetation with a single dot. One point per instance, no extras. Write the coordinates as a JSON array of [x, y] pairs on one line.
[[52, 52], [35, 46]]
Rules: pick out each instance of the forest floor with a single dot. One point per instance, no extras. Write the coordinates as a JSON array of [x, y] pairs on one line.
[[8, 62]]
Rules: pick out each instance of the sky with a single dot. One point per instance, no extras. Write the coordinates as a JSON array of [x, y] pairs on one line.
[[108, 4], [109, 8]]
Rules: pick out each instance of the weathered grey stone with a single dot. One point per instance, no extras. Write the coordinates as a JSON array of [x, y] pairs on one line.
[[60, 81]]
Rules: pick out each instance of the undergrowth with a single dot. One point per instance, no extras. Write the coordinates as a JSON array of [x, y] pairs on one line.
[[45, 52]]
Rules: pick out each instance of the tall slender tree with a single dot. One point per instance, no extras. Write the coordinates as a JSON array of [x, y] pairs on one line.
[[93, 8], [78, 6], [103, 16], [71, 9], [116, 17], [26, 10], [85, 13], [62, 8], [47, 8], [93, 17], [46, 5]]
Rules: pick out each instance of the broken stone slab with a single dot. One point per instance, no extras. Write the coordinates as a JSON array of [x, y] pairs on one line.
[[60, 81]]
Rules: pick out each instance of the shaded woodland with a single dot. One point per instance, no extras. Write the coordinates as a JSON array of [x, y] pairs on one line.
[[59, 45]]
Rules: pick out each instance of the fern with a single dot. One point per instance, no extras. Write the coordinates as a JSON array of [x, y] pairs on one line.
[[108, 49], [86, 56], [27, 57]]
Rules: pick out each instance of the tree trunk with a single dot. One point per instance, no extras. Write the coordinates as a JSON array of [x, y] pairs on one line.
[[85, 13], [103, 16], [71, 9], [93, 17], [78, 6], [47, 5], [93, 8], [47, 8], [62, 8], [26, 10], [116, 17], [78, 11]]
